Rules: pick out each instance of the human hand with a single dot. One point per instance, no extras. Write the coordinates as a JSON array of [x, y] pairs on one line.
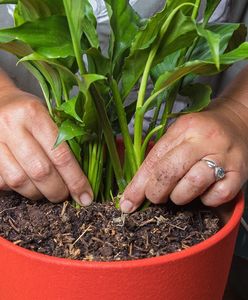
[[30, 164], [174, 167]]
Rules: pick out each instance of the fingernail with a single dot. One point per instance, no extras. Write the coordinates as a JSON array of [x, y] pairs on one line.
[[85, 199], [126, 206]]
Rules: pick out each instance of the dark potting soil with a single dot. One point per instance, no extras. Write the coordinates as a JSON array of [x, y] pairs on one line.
[[100, 232]]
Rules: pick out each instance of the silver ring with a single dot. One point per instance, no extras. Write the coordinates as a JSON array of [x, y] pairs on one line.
[[219, 172]]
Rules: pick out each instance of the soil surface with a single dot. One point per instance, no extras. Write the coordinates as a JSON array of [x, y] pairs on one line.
[[100, 232]]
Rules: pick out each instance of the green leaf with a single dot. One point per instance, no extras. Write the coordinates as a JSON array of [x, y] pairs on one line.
[[42, 83], [88, 79], [211, 6], [17, 48], [47, 36], [213, 41], [30, 10], [70, 108], [89, 24], [226, 32], [201, 67], [69, 130], [124, 23], [98, 63], [8, 1], [76, 149], [173, 4], [199, 94], [167, 65], [180, 33]]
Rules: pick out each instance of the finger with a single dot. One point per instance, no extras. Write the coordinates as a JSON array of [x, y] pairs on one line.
[[38, 167], [63, 159], [3, 185], [223, 191], [134, 193], [194, 183], [14, 177], [163, 176], [170, 170]]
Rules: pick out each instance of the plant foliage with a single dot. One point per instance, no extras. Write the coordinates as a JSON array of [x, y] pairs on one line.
[[58, 42]]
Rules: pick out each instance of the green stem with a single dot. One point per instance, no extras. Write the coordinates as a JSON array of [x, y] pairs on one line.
[[109, 137], [124, 126], [168, 108], [109, 179], [75, 41], [147, 139], [196, 9], [139, 116], [155, 115]]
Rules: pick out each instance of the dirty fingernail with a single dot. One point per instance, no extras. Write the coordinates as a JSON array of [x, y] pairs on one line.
[[126, 206], [85, 199]]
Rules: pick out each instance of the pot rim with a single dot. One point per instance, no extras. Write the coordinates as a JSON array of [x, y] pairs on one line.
[[139, 263]]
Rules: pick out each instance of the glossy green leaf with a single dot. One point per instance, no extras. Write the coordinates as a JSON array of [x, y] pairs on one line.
[[51, 39], [124, 23], [30, 10], [200, 96], [89, 24], [17, 48], [76, 149], [88, 79], [201, 67], [211, 6], [69, 130], [225, 32], [98, 63], [175, 38], [213, 40], [70, 108], [8, 1]]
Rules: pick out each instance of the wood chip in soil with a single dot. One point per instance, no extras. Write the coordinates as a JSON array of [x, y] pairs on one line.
[[100, 232]]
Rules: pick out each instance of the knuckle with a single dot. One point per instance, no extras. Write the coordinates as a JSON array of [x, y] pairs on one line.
[[60, 197], [62, 156], [76, 187], [16, 180], [40, 170], [156, 196], [195, 181], [223, 193], [148, 164], [32, 108]]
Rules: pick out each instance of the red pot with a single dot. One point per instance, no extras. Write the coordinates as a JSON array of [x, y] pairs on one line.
[[197, 273]]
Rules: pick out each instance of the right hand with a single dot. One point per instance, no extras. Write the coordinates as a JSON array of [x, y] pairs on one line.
[[29, 163]]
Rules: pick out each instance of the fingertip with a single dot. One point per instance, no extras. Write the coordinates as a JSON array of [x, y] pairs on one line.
[[85, 199], [126, 206]]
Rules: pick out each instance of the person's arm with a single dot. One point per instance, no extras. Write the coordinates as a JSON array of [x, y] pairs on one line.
[[29, 162], [174, 167]]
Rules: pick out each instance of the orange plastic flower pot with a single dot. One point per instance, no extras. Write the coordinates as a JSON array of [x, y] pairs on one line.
[[197, 273]]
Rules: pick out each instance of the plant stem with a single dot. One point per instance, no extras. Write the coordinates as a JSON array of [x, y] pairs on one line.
[[109, 179], [139, 115], [196, 9], [109, 137], [75, 41], [147, 139], [124, 126], [168, 108], [140, 111]]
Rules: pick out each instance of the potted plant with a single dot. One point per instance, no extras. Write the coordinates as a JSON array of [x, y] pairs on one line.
[[58, 42]]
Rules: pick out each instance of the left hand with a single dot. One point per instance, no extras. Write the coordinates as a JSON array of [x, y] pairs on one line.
[[174, 167]]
